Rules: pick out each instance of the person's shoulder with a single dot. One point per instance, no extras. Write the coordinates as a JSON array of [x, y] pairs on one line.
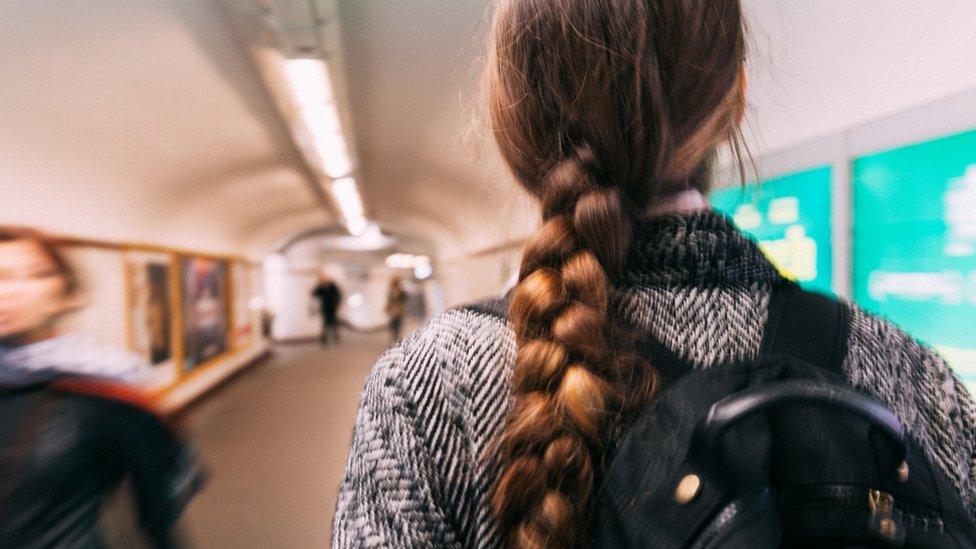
[[448, 352], [467, 329], [460, 330], [877, 345]]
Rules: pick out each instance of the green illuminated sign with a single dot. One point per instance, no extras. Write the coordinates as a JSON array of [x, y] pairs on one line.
[[790, 218], [915, 243]]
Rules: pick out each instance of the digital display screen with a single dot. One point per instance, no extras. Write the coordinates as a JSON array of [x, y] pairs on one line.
[[915, 243], [790, 218]]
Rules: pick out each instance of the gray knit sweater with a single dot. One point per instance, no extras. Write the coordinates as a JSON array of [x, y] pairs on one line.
[[419, 473]]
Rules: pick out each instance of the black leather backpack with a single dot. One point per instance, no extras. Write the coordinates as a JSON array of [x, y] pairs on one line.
[[776, 452]]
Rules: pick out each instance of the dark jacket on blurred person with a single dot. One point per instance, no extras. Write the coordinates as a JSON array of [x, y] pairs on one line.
[[418, 476], [329, 296], [69, 436]]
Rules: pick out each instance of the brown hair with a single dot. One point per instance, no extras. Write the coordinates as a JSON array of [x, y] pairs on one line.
[[49, 246], [599, 107]]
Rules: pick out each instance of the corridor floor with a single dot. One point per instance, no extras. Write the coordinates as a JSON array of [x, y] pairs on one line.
[[276, 440]]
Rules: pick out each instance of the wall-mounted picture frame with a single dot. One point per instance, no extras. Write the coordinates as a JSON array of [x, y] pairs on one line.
[[205, 303], [150, 307]]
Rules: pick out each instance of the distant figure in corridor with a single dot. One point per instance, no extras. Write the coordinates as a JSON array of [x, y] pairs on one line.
[[396, 307], [330, 297], [74, 420], [497, 423]]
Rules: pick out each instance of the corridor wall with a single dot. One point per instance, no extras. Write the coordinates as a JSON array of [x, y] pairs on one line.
[[137, 298], [478, 275]]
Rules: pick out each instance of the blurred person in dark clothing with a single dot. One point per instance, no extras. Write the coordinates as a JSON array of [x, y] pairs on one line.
[[73, 419], [396, 308], [329, 297]]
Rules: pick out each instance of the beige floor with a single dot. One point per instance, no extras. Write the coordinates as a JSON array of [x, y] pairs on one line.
[[276, 439]]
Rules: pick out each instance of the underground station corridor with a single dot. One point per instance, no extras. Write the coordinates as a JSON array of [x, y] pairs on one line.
[[412, 273]]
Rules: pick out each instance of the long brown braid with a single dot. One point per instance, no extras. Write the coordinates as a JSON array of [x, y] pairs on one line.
[[599, 107]]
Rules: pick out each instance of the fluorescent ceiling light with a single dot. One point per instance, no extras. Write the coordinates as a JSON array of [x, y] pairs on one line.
[[345, 243], [398, 261], [314, 99], [408, 261], [423, 271], [310, 80], [350, 204], [358, 226], [345, 193], [318, 130]]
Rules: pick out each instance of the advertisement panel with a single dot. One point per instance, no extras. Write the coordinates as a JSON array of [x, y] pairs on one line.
[[205, 310], [150, 307], [915, 243], [790, 218]]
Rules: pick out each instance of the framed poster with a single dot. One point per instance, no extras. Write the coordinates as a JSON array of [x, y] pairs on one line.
[[790, 218], [915, 243], [150, 307], [243, 325], [205, 309]]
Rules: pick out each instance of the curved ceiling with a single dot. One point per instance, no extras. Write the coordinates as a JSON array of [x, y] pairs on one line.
[[815, 68], [143, 120], [146, 120], [425, 162]]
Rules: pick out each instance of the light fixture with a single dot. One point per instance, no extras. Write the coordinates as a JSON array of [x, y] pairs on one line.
[[313, 97], [358, 226], [408, 261], [423, 271], [399, 261], [347, 195], [369, 242], [350, 204], [317, 127]]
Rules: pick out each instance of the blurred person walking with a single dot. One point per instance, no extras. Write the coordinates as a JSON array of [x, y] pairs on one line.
[[495, 424], [74, 421], [396, 307], [329, 297]]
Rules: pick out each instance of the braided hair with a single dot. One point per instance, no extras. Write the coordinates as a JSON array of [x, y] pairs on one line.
[[599, 107]]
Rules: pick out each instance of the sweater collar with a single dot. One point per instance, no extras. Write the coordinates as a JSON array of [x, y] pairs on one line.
[[701, 248]]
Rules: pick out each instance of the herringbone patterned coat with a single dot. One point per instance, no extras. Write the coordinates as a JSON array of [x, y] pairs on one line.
[[419, 471]]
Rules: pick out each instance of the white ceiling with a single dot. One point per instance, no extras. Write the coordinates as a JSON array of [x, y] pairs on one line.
[[142, 120], [426, 165], [816, 68], [819, 67], [145, 119]]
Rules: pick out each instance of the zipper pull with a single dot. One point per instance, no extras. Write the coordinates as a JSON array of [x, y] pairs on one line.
[[882, 520]]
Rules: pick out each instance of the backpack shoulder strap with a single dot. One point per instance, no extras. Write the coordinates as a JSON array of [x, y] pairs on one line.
[[807, 326]]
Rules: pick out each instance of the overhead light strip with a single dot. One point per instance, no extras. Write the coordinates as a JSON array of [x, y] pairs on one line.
[[320, 129], [312, 93]]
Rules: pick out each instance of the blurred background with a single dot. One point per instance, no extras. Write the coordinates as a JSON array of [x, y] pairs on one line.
[[215, 168]]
